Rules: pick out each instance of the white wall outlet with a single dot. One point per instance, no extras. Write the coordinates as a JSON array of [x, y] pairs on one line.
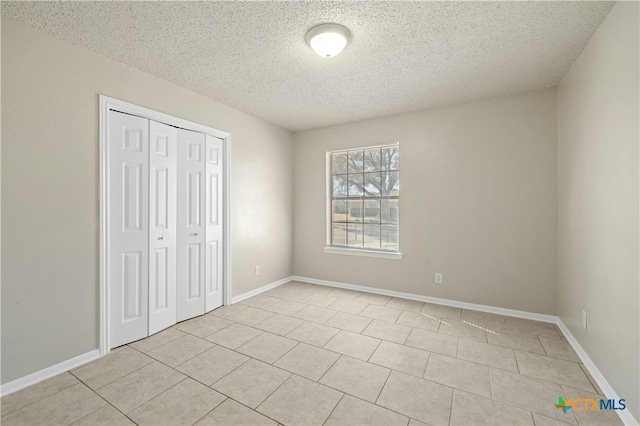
[[258, 270], [584, 319], [438, 277]]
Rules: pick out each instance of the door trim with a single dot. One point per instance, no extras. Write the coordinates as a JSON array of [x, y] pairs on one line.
[[107, 104]]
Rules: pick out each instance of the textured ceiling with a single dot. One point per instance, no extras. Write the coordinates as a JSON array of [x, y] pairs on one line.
[[404, 56]]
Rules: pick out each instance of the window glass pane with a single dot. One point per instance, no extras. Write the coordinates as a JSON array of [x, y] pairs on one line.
[[390, 183], [339, 234], [389, 211], [372, 211], [339, 163], [389, 237], [372, 184], [355, 211], [340, 186], [390, 159], [355, 185], [355, 162], [364, 203], [354, 234], [339, 211], [371, 236], [372, 160]]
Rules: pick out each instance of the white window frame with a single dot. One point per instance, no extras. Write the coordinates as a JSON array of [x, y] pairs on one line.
[[346, 250]]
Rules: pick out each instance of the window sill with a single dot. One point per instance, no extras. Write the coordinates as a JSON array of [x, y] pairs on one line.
[[365, 253]]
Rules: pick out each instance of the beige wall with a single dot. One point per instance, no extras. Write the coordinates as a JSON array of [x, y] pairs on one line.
[[478, 202], [598, 209], [50, 172]]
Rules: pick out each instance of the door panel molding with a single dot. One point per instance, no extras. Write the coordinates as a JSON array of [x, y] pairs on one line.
[[132, 141]]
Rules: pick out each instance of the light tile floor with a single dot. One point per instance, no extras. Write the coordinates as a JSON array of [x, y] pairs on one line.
[[307, 354]]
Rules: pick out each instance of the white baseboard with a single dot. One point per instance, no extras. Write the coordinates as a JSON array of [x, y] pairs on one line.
[[438, 301], [261, 289], [48, 372], [625, 415]]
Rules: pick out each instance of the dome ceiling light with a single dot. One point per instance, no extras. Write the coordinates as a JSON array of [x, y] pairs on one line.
[[328, 40]]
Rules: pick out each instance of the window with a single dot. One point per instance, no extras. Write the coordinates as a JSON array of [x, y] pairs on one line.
[[364, 189]]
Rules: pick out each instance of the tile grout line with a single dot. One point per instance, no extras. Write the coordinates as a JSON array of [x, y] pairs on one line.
[[332, 364], [34, 402], [216, 332], [424, 372], [225, 375], [374, 351], [334, 409], [188, 359], [282, 356], [131, 372], [254, 410], [212, 410], [516, 358], [451, 406], [175, 370], [130, 345], [274, 391], [105, 400], [407, 338], [201, 317], [162, 393], [382, 387], [260, 403]]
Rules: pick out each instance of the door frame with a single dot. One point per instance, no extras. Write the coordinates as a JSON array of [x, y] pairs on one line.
[[107, 104]]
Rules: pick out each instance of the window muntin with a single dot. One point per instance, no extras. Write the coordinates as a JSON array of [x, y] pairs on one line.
[[365, 198]]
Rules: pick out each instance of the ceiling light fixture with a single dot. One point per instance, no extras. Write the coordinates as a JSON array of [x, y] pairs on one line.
[[328, 40]]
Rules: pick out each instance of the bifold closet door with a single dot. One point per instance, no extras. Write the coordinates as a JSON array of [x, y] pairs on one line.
[[128, 228], [191, 226], [162, 229], [165, 226]]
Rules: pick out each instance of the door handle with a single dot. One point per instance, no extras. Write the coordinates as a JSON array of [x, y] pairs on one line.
[[195, 234], [161, 238]]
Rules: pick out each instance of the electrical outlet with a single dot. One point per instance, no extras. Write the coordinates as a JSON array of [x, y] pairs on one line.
[[438, 277], [258, 270], [584, 319]]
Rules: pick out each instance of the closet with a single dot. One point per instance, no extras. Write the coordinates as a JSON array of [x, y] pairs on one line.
[[165, 228]]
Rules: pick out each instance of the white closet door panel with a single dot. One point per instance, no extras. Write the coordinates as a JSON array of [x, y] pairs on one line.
[[214, 223], [190, 229], [162, 231], [128, 227]]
